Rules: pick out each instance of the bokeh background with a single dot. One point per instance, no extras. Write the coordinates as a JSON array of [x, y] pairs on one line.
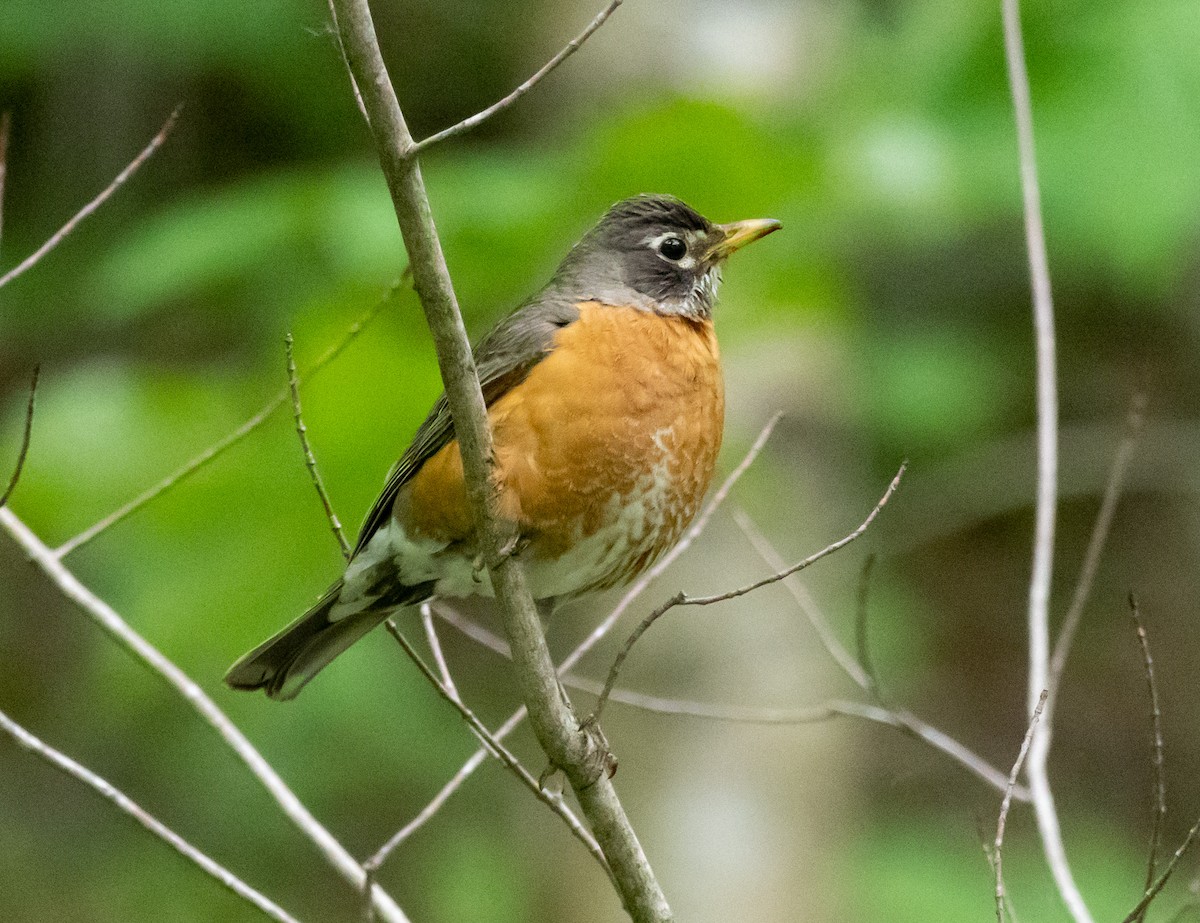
[[890, 320]]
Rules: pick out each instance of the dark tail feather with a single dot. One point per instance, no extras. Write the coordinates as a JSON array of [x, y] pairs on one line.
[[285, 662]]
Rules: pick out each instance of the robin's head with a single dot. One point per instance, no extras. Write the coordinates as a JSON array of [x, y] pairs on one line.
[[668, 254]]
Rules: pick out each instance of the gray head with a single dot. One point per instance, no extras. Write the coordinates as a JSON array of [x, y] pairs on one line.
[[657, 253]]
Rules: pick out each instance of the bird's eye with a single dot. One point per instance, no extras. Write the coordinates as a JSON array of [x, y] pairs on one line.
[[672, 248]]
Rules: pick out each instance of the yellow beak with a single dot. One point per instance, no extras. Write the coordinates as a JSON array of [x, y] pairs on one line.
[[739, 233]]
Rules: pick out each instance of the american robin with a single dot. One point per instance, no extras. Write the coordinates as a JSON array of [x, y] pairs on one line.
[[606, 403]]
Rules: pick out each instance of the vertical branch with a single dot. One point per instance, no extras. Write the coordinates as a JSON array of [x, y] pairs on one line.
[[1047, 454], [310, 460], [1157, 759], [554, 722], [1006, 803], [26, 436]]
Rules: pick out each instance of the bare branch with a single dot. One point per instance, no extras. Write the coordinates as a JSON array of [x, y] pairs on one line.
[[219, 447], [1047, 453], [478, 118], [57, 238], [128, 806], [861, 624], [337, 37], [435, 648], [26, 436], [149, 656], [1153, 891], [805, 601], [598, 633], [896, 718], [310, 460], [1006, 803], [499, 751], [1157, 760], [681, 599], [1091, 559]]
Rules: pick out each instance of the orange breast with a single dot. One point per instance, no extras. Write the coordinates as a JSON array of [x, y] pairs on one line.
[[612, 438]]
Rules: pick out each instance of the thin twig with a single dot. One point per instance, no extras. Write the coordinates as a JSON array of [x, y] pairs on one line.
[[1153, 890], [569, 49], [1159, 810], [598, 634], [682, 599], [990, 858], [900, 719], [310, 460], [26, 436], [499, 751], [1101, 529], [337, 37], [1047, 455], [219, 447], [148, 821], [825, 633], [861, 621], [435, 648], [150, 657], [57, 238], [5, 128], [1006, 803]]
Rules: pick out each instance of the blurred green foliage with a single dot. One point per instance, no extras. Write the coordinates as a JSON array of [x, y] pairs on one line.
[[890, 320]]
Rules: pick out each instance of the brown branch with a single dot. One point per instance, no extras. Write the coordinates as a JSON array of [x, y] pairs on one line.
[[558, 731], [1153, 891], [1006, 803], [499, 751], [218, 448], [106, 790], [478, 118], [111, 623], [57, 238], [26, 436], [598, 634], [1159, 809], [682, 599], [310, 460]]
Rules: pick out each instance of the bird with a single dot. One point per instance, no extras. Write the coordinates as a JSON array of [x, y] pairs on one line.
[[605, 397]]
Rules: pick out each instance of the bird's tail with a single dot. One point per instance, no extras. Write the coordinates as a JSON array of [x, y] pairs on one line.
[[285, 662]]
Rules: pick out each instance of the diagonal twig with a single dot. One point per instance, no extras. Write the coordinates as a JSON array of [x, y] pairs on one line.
[[26, 436], [1006, 803], [435, 647], [219, 447], [1091, 559], [58, 236], [1159, 809], [149, 656], [1153, 891], [106, 790], [478, 118], [682, 599], [598, 633], [310, 460], [499, 751]]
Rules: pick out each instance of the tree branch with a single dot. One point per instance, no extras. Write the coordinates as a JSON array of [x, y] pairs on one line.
[[598, 633], [1047, 481], [120, 631], [681, 599], [57, 238], [26, 436], [310, 460], [1159, 809], [128, 806], [218, 448], [554, 723], [1006, 803], [478, 118]]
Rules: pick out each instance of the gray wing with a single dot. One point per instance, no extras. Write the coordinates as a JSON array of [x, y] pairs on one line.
[[503, 358]]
